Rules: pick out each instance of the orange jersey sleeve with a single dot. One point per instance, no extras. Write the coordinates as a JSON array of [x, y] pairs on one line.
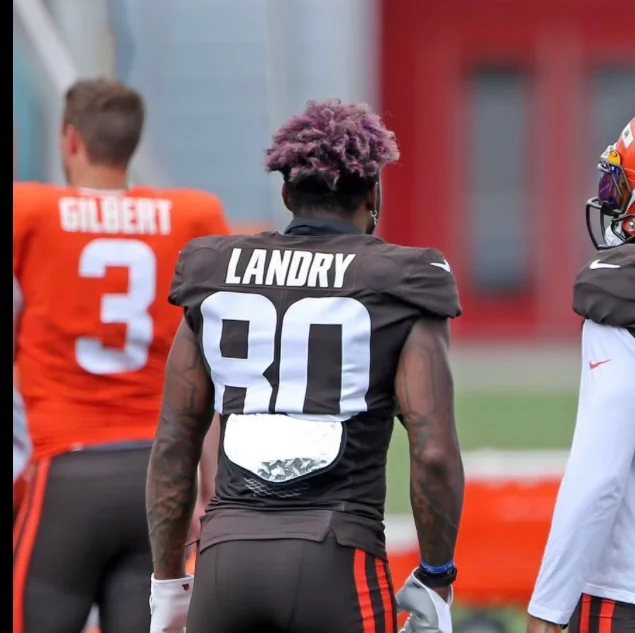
[[215, 222], [95, 269], [25, 203]]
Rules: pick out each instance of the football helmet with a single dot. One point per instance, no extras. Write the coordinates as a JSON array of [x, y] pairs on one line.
[[612, 211]]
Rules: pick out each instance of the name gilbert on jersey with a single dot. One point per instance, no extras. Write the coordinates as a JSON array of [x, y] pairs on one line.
[[288, 268], [115, 214]]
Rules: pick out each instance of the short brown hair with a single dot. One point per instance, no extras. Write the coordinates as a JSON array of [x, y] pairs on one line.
[[108, 115]]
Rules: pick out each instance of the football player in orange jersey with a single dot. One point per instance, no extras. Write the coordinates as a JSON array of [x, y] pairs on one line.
[[94, 261]]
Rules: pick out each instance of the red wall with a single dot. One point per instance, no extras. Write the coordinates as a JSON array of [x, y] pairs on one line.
[[427, 49]]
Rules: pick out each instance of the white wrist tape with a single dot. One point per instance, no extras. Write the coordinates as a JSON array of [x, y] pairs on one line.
[[169, 604]]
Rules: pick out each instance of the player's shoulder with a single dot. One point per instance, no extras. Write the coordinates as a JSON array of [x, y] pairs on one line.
[[421, 265], [33, 188], [197, 259], [28, 187], [425, 279], [419, 257], [195, 211], [34, 202], [27, 195], [183, 196], [207, 248], [604, 289], [211, 244]]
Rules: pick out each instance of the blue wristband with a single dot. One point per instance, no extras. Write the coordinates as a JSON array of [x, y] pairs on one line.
[[436, 569]]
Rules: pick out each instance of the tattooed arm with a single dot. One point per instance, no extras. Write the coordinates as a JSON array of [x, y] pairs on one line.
[[186, 413], [425, 394]]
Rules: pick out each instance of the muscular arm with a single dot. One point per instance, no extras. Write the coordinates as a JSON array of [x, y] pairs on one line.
[[186, 414], [425, 394]]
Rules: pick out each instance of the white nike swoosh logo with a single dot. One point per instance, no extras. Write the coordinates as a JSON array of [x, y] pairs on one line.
[[596, 263], [443, 265]]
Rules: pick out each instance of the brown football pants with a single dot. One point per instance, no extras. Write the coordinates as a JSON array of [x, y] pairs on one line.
[[81, 538], [291, 586], [599, 615]]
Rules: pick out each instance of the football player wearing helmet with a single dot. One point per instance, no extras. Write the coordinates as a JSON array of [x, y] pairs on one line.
[[301, 341], [587, 577]]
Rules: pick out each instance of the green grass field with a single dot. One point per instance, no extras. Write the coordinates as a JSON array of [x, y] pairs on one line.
[[484, 420]]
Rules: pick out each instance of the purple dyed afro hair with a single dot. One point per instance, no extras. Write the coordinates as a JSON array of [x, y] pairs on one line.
[[329, 140]]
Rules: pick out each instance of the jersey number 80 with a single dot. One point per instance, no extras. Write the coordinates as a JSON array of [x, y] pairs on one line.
[[291, 352]]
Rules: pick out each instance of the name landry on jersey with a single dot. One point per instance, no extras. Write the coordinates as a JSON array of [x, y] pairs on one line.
[[288, 268]]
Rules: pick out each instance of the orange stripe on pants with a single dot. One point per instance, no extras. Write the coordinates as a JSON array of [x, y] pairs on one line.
[[585, 614], [18, 523], [386, 597], [606, 616], [24, 536], [363, 592], [19, 487]]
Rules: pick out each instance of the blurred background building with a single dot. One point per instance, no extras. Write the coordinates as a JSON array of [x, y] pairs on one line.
[[501, 109]]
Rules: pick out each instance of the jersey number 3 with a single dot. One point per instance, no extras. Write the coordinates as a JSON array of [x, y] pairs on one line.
[[130, 309], [290, 352]]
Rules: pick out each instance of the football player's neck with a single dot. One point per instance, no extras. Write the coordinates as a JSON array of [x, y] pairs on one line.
[[360, 220], [102, 177]]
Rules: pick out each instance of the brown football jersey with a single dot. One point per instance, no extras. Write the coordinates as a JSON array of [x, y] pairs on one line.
[[308, 325], [604, 289]]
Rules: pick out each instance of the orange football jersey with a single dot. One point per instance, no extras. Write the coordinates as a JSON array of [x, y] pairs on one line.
[[95, 269]]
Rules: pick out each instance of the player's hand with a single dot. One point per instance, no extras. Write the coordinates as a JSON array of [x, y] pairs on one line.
[[536, 625], [429, 608], [169, 604]]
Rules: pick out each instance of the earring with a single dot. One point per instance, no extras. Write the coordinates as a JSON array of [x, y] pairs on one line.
[[375, 215]]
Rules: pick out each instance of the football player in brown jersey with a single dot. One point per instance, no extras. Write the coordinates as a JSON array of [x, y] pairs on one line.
[[587, 578], [302, 341]]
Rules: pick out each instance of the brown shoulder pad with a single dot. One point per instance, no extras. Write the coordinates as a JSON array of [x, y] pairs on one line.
[[193, 269], [427, 282], [604, 289]]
